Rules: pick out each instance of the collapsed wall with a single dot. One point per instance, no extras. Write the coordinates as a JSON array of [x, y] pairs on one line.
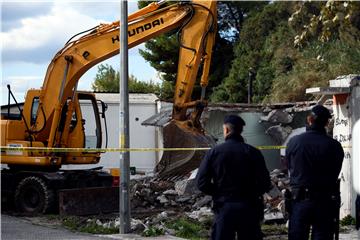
[[267, 127]]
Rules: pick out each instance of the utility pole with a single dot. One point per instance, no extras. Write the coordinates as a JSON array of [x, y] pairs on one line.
[[250, 85], [124, 140]]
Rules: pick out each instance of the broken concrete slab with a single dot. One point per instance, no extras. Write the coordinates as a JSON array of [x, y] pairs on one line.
[[275, 216], [183, 199], [279, 133], [201, 215], [170, 192], [204, 201], [159, 119], [278, 116], [186, 187], [162, 199], [273, 193]]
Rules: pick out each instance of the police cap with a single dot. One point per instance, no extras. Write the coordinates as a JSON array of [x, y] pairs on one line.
[[321, 112], [234, 120]]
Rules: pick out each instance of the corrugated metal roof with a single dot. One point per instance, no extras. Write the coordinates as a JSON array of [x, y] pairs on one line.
[[133, 97]]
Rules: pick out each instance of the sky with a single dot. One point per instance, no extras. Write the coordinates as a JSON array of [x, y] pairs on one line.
[[33, 31]]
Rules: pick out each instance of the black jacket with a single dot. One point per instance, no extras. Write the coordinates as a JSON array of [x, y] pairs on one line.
[[314, 160], [233, 170]]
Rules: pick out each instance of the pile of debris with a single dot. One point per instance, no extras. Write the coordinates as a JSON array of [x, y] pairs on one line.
[[274, 199], [155, 202], [154, 194]]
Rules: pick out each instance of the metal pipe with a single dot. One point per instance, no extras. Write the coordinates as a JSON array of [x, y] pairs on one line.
[[203, 92], [124, 122], [58, 105], [8, 101], [74, 92], [62, 86], [250, 85]]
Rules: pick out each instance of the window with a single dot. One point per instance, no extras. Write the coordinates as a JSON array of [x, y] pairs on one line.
[[34, 108]]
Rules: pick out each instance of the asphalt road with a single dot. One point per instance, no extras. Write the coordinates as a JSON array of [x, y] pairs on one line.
[[14, 228]]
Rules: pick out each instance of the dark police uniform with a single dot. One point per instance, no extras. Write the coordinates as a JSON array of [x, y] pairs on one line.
[[357, 210], [235, 175], [314, 161]]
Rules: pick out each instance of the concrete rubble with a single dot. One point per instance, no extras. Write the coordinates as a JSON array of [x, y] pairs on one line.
[[274, 200], [155, 202], [279, 133], [278, 116]]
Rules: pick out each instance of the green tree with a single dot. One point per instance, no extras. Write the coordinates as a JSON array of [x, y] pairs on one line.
[[326, 21], [162, 52], [285, 66], [107, 80], [252, 51], [291, 46], [232, 14], [326, 35]]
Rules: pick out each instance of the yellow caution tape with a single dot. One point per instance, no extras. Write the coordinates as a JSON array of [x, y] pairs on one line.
[[270, 147], [95, 150], [102, 150]]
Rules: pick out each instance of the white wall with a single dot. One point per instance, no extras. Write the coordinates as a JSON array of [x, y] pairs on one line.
[[341, 132], [141, 107], [346, 112], [142, 136]]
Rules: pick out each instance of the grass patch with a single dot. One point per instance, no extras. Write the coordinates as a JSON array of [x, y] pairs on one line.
[[189, 228], [79, 224], [52, 217], [347, 221], [153, 232], [94, 228], [274, 229], [71, 223]]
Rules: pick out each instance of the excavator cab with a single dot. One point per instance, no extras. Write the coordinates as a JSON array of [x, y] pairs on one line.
[[92, 129], [83, 128]]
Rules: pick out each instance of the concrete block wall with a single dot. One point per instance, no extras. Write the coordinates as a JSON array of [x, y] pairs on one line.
[[346, 109]]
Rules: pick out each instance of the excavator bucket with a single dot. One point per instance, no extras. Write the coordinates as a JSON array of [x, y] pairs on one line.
[[177, 163]]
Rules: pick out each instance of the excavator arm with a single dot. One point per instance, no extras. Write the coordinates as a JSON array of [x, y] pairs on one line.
[[196, 22]]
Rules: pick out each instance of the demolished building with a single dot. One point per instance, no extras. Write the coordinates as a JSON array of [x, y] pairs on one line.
[[267, 126]]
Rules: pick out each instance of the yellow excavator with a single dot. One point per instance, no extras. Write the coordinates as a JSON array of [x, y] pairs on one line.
[[51, 117]]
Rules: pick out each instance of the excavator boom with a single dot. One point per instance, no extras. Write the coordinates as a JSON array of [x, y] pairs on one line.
[[58, 121]]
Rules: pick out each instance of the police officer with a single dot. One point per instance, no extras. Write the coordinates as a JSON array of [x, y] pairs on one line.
[[357, 212], [235, 175], [314, 160]]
